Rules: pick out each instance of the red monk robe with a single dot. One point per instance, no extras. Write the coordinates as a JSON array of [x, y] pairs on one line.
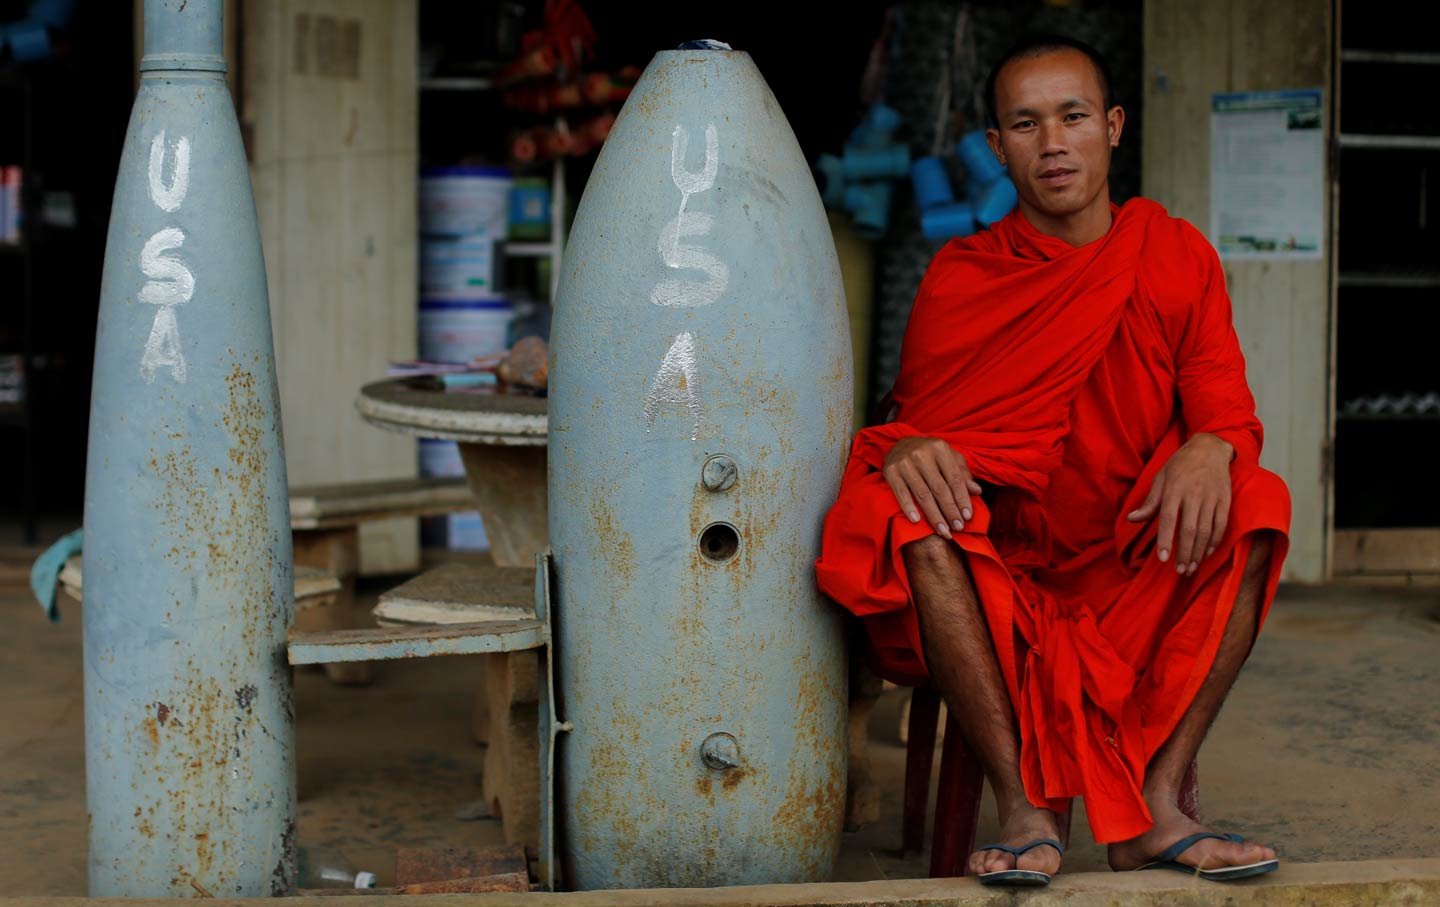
[[1067, 377]]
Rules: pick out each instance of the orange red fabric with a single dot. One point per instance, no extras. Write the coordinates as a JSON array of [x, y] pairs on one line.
[[1067, 377]]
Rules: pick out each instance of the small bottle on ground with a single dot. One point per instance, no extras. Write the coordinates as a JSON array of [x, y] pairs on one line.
[[326, 867]]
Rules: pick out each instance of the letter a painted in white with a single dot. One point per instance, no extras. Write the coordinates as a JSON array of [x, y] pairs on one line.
[[163, 347], [676, 383]]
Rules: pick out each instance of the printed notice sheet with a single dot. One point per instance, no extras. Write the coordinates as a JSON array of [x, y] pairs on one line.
[[1267, 174]]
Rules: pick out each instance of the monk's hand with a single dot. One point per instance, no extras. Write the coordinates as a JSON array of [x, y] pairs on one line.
[[1192, 495], [930, 477]]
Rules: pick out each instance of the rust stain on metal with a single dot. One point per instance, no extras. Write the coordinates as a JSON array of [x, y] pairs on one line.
[[731, 779], [839, 421], [619, 549], [613, 767], [813, 805], [218, 518]]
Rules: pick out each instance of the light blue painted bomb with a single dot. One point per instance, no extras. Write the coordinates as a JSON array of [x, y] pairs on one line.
[[699, 416], [189, 720]]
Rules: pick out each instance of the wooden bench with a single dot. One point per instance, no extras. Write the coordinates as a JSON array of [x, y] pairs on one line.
[[325, 521]]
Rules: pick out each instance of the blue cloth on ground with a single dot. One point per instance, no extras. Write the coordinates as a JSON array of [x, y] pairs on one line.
[[45, 573]]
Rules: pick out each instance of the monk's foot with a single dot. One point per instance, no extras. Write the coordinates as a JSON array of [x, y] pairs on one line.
[[1170, 826], [1019, 825]]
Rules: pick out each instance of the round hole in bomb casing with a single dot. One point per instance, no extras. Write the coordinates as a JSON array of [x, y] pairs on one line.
[[719, 542]]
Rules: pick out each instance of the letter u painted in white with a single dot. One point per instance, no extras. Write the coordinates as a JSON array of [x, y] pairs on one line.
[[168, 198], [676, 292]]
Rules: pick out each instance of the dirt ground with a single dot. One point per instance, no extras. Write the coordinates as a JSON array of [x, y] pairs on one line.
[[1326, 749]]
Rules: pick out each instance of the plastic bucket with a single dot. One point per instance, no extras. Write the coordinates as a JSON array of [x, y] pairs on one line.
[[456, 531], [456, 330], [464, 201], [440, 459], [461, 267]]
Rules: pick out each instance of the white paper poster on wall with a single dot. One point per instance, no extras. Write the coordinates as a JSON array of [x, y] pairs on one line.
[[1267, 174]]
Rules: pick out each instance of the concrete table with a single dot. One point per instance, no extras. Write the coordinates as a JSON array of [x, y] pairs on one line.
[[502, 442]]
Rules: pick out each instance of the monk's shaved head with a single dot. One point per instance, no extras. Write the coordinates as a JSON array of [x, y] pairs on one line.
[[1039, 46]]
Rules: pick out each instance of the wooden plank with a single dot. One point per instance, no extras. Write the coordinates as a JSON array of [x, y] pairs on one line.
[[384, 643], [414, 865], [311, 585], [333, 128], [455, 593], [1386, 552], [360, 501], [510, 881]]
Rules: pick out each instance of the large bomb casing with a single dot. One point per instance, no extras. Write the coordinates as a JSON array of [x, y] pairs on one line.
[[189, 719], [700, 405]]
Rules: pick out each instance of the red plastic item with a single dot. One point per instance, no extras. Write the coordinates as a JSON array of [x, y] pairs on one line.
[[957, 800]]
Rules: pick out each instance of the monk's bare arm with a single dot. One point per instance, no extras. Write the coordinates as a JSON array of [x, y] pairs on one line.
[[930, 477]]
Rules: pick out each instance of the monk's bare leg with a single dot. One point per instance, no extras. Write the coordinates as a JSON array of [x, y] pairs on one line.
[[1167, 769], [963, 666]]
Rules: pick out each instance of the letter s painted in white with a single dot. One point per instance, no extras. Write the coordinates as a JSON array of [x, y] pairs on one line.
[[171, 283]]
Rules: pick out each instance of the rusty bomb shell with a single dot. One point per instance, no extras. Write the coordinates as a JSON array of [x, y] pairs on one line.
[[699, 415], [189, 720]]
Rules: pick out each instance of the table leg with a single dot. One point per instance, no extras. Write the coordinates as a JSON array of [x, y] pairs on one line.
[[509, 488]]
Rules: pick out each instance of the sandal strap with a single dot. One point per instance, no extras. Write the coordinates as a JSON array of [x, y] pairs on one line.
[[1026, 848], [1175, 850]]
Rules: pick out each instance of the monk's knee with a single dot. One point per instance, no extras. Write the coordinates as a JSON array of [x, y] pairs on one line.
[[936, 563], [932, 552]]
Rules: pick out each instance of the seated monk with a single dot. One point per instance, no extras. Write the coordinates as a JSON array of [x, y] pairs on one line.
[[1066, 529]]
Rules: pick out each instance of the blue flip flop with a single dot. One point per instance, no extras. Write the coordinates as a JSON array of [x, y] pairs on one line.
[[1019, 877], [1168, 860]]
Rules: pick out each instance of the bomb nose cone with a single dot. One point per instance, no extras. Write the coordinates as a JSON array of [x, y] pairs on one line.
[[183, 35]]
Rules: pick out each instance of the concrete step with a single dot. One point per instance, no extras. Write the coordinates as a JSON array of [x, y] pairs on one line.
[[1410, 883]]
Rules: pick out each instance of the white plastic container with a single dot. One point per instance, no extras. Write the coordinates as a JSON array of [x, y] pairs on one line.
[[440, 459], [455, 531], [458, 330], [465, 201], [466, 532], [462, 267]]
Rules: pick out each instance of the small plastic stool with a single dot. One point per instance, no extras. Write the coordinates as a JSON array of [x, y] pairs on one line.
[[957, 799]]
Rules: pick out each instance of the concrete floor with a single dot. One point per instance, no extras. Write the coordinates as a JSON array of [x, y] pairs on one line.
[[1327, 748]]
